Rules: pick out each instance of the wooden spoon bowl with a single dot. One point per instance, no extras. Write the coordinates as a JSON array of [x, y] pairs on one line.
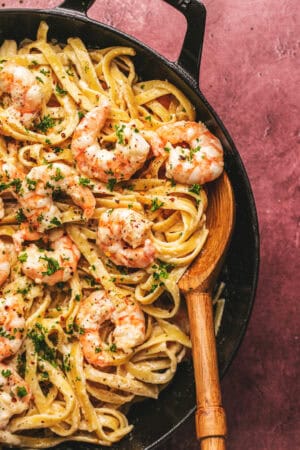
[[197, 284]]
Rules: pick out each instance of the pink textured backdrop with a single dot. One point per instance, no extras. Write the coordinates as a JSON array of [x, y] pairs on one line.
[[250, 76]]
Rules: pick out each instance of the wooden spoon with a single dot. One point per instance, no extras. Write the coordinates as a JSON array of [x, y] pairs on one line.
[[197, 284]]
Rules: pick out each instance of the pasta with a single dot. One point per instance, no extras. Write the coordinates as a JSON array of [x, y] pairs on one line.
[[65, 396]]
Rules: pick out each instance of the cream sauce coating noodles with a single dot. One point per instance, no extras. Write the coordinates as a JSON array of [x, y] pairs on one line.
[[94, 236]]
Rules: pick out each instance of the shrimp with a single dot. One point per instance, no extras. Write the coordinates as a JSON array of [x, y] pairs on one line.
[[25, 233], [201, 161], [123, 237], [12, 323], [36, 194], [128, 156], [6, 256], [15, 394], [125, 314], [51, 266], [25, 92]]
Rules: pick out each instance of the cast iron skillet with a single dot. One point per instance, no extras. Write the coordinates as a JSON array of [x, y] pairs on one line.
[[155, 420]]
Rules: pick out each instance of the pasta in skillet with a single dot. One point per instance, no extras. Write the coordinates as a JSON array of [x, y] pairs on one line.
[[101, 211]]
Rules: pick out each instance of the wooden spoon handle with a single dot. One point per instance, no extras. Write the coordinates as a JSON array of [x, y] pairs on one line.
[[210, 416]]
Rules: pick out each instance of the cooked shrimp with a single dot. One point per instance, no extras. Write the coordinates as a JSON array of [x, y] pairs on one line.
[[15, 394], [125, 314], [51, 266], [6, 255], [37, 189], [25, 233], [25, 92], [12, 324], [123, 235], [198, 163], [128, 156]]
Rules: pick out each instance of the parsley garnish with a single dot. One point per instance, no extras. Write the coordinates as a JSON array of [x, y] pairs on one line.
[[21, 391], [113, 348], [53, 265], [45, 123], [20, 216], [55, 221], [38, 335], [84, 181], [156, 204], [59, 90], [80, 115], [39, 79], [23, 257], [195, 188], [193, 151], [58, 175], [6, 373], [111, 184], [120, 133], [31, 184]]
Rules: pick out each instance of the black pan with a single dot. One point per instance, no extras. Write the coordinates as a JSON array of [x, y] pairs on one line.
[[155, 420]]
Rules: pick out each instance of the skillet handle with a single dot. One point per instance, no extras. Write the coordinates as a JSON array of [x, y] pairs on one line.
[[210, 415], [81, 6], [190, 56]]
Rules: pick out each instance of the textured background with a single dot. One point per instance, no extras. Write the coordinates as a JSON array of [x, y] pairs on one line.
[[250, 76]]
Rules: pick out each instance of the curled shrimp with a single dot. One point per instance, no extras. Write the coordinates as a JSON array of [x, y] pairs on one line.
[[125, 314], [25, 233], [128, 156], [123, 236], [37, 189], [7, 257], [195, 154], [51, 266], [15, 394], [12, 323], [25, 92]]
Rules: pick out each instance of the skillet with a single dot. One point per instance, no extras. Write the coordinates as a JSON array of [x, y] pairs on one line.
[[154, 421]]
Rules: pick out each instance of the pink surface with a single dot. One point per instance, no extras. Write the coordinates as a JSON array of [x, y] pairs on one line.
[[249, 75]]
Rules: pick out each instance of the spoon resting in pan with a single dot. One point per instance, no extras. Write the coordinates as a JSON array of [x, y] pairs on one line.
[[197, 284]]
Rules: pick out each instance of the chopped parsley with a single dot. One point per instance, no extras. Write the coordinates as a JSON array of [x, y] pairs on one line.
[[31, 184], [113, 348], [156, 204], [60, 91], [111, 184], [80, 115], [84, 181], [45, 72], [21, 391], [53, 265], [195, 188], [45, 124], [16, 183], [55, 221], [148, 118], [38, 337], [193, 151], [6, 373], [58, 150], [23, 257], [39, 79], [120, 133], [162, 270], [58, 175], [20, 216]]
